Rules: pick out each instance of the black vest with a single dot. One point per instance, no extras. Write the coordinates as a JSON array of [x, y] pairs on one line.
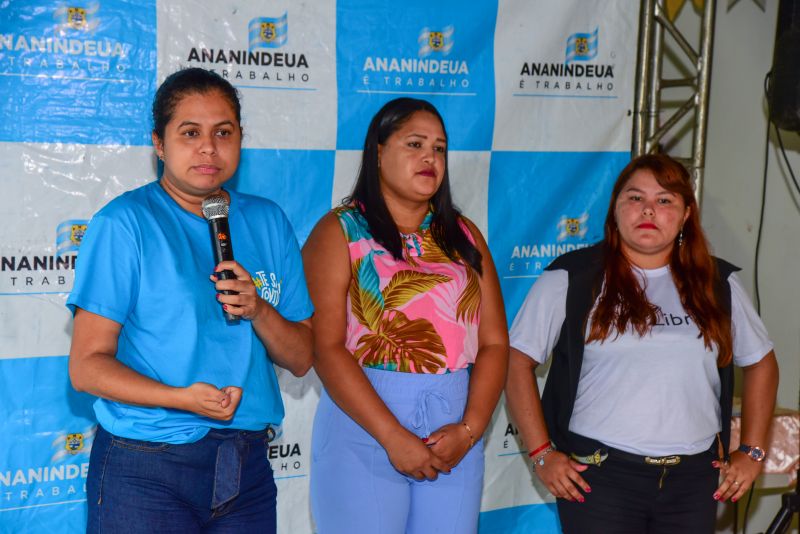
[[585, 272]]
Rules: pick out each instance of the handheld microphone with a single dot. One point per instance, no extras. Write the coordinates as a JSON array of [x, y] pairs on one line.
[[215, 210]]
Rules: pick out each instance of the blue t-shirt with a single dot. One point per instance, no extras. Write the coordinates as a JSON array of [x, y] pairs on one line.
[[145, 263]]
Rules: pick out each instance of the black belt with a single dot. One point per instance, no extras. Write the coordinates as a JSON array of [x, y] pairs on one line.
[[601, 452]]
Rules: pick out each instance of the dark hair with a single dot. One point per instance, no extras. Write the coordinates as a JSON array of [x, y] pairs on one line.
[[445, 228], [623, 301], [189, 81]]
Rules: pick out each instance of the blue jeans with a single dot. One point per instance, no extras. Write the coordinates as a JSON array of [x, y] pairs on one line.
[[356, 489], [221, 483]]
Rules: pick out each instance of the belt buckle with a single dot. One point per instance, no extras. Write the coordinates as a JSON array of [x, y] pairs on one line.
[[596, 458], [662, 460]]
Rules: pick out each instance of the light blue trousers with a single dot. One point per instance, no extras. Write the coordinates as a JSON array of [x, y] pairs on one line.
[[354, 487]]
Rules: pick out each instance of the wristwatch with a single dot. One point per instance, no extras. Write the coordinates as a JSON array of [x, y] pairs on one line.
[[756, 454]]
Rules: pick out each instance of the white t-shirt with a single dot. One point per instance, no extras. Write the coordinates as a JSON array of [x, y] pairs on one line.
[[655, 395]]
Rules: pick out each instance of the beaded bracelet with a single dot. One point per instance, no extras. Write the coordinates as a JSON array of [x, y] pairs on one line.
[[469, 431]]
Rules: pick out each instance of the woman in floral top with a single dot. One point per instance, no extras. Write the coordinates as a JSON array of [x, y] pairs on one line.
[[410, 340]]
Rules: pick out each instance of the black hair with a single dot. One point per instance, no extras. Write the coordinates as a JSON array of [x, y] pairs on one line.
[[189, 81], [367, 198]]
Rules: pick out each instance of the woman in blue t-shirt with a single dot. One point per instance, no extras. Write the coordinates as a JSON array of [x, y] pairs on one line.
[[186, 398]]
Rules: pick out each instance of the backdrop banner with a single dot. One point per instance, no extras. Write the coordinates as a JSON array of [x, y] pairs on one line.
[[537, 99]]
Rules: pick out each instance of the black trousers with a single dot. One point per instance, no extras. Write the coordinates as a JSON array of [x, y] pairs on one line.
[[630, 497]]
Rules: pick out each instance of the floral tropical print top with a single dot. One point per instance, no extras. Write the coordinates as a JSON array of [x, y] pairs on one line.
[[416, 315]]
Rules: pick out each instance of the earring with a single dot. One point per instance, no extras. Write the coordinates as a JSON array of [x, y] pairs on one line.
[[680, 237]]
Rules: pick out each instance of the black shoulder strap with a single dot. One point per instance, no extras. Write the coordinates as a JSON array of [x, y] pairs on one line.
[[584, 269], [723, 293]]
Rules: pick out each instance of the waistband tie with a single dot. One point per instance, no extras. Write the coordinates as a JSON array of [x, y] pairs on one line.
[[233, 447], [421, 419], [228, 469]]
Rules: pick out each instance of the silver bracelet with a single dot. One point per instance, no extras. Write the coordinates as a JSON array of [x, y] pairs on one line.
[[539, 459]]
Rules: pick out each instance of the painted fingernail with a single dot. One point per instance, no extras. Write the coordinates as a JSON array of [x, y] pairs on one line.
[[716, 496], [225, 307], [734, 499], [218, 295], [581, 499], [424, 440], [587, 489], [715, 463]]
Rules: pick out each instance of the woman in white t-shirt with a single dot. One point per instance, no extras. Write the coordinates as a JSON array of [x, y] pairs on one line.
[[644, 328]]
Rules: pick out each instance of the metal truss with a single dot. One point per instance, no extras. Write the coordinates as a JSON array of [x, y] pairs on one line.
[[648, 128]]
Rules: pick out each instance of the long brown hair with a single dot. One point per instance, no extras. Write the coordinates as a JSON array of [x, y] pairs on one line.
[[623, 302]]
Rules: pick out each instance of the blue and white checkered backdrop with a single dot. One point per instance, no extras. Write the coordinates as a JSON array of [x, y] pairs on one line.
[[536, 96]]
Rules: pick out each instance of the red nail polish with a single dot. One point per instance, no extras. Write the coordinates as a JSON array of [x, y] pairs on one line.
[[716, 496], [218, 295], [424, 440], [581, 499], [734, 499], [587, 489], [225, 307]]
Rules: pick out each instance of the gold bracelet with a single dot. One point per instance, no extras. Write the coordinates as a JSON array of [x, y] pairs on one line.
[[469, 431]]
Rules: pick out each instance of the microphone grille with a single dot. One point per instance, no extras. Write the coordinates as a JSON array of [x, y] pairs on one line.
[[215, 207]]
